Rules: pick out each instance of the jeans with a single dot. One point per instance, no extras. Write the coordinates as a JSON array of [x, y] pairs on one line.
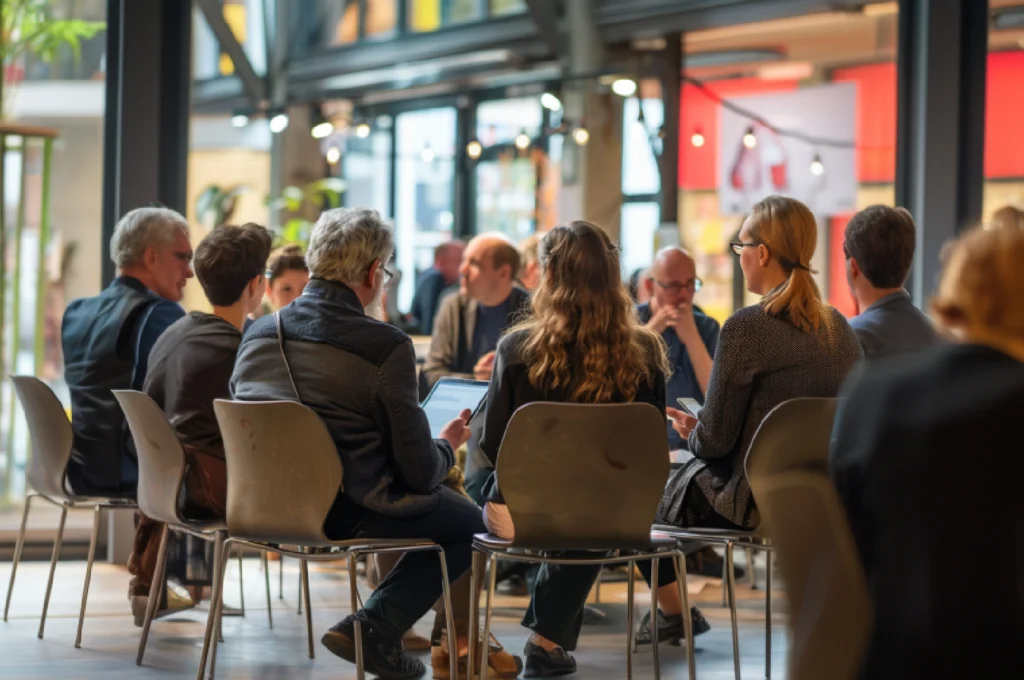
[[559, 596], [414, 585]]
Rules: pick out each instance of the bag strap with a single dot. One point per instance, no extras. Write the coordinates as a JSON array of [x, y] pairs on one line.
[[284, 357]]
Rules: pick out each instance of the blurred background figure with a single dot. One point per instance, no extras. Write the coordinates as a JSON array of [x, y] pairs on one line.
[[529, 264], [287, 276], [433, 284], [1008, 217], [920, 457], [638, 286]]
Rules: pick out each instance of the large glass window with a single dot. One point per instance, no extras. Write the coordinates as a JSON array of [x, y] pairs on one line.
[[430, 15], [424, 188], [245, 18], [641, 182], [366, 169], [503, 7]]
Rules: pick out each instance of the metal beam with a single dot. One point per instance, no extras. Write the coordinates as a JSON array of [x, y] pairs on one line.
[[671, 88], [545, 16], [253, 84]]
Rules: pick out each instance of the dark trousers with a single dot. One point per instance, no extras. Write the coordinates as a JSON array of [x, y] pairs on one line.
[[414, 585], [559, 596]]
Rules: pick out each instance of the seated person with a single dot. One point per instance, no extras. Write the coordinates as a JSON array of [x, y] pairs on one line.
[[359, 375], [434, 284], [582, 315], [690, 335], [879, 248], [190, 366], [469, 324], [106, 342], [922, 454], [1008, 217], [789, 345], [529, 263], [287, 276]]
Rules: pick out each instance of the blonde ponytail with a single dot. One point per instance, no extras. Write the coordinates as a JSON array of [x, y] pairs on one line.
[[788, 229]]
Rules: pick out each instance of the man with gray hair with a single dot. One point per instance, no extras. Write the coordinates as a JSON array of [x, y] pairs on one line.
[[359, 374], [106, 341]]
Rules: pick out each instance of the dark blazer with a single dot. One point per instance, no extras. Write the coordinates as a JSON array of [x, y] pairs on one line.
[[510, 388], [359, 375], [926, 459]]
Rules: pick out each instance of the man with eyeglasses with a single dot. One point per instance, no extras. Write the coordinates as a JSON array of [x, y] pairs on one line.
[[691, 335]]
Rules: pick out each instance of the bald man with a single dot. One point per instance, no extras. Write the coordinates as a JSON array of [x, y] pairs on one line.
[[691, 336]]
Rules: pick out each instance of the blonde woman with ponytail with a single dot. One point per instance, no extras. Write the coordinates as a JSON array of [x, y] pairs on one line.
[[791, 344]]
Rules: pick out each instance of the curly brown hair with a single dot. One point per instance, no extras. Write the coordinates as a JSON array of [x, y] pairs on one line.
[[583, 336]]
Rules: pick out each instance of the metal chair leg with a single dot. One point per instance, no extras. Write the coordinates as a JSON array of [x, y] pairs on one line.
[[280, 576], [353, 595], [53, 567], [630, 633], [219, 560], [475, 572], [156, 588], [17, 552], [684, 596], [225, 553], [485, 642], [266, 579], [654, 617], [768, 616], [597, 587], [725, 579], [751, 576], [453, 647], [298, 610], [309, 610], [88, 573], [731, 585], [241, 583]]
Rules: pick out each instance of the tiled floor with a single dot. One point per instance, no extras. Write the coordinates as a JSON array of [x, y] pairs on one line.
[[251, 650]]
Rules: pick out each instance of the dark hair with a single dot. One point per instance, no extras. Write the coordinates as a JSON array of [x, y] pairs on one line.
[[285, 259], [229, 258], [882, 240], [505, 254]]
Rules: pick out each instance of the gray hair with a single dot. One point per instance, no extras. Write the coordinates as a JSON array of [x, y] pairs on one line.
[[144, 228], [345, 242]]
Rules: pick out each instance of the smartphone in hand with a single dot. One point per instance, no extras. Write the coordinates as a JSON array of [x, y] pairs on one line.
[[691, 406]]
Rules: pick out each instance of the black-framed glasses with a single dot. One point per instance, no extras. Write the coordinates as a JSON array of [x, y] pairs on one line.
[[388, 274], [674, 287], [738, 246]]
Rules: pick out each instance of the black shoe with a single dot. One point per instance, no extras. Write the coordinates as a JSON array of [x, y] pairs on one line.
[[383, 655], [592, 615], [670, 628], [540, 663], [707, 562], [514, 585]]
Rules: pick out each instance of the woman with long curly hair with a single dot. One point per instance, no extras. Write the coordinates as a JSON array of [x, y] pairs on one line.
[[581, 344]]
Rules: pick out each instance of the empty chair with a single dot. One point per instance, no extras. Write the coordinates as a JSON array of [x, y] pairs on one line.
[[52, 438], [161, 475], [284, 474], [587, 478]]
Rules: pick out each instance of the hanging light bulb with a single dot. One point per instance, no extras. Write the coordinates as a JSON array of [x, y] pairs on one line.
[[522, 141], [474, 149], [624, 87], [322, 130], [363, 130], [817, 167], [333, 155], [697, 139], [581, 136], [278, 123], [428, 154], [551, 102], [750, 139], [240, 120]]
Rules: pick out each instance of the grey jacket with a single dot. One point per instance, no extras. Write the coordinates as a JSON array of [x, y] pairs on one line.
[[359, 375]]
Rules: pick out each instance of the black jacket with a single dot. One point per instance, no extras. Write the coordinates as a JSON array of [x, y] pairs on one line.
[[359, 375]]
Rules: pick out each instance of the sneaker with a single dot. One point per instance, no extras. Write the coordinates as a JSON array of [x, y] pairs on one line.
[[383, 655], [176, 602], [670, 628], [540, 663]]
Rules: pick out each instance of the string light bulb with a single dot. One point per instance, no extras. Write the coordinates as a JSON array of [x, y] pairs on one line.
[[240, 120], [550, 101], [363, 130], [581, 136], [322, 130], [474, 149], [697, 139], [750, 139], [522, 141], [428, 155], [278, 123], [817, 167], [333, 155], [624, 87]]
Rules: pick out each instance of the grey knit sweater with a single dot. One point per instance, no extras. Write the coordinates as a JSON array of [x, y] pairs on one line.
[[761, 361]]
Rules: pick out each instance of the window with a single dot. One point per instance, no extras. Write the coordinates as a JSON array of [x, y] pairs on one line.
[[431, 15], [505, 7]]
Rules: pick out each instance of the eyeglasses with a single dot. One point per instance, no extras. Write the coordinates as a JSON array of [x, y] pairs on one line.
[[674, 287], [738, 246], [388, 274]]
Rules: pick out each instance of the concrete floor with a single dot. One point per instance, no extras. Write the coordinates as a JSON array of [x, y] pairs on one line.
[[251, 650]]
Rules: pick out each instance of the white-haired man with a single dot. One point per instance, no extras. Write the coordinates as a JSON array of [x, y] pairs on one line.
[[359, 375], [106, 341]]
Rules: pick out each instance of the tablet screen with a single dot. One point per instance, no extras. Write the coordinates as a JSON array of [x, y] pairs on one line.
[[449, 397]]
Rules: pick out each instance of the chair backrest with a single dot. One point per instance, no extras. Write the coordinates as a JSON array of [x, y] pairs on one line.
[[161, 458], [50, 433], [283, 471], [795, 435], [829, 606], [578, 476]]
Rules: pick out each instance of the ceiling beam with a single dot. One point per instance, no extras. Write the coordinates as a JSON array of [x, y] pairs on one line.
[[254, 86], [545, 16]]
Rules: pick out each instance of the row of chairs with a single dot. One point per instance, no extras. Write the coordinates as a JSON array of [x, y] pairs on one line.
[[584, 479]]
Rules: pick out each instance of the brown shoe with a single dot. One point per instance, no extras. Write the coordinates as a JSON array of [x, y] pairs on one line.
[[411, 642], [500, 664]]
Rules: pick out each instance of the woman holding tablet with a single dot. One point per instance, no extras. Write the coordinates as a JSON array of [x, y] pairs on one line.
[[582, 344]]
